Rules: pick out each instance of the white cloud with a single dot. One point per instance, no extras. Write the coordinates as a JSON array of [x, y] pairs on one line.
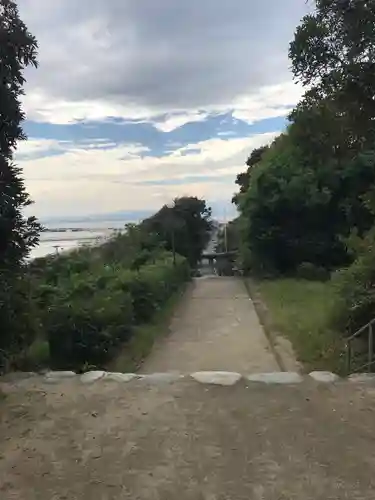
[[268, 102], [271, 101], [167, 63], [178, 120], [37, 147], [33, 147], [226, 133], [40, 107], [138, 60], [81, 182]]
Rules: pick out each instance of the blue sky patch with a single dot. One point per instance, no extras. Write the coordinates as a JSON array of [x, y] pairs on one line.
[[112, 132]]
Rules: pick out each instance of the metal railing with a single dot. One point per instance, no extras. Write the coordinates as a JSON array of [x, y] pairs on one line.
[[368, 366]]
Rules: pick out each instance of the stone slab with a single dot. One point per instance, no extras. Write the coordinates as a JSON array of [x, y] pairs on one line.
[[60, 375], [326, 377], [155, 378], [92, 376], [217, 378], [275, 378], [120, 377]]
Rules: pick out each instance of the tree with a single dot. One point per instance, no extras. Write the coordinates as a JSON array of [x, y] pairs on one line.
[[333, 55], [18, 234], [243, 179], [299, 211], [17, 50], [184, 226]]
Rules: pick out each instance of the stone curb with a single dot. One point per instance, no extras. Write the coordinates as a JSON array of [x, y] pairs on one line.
[[217, 378], [276, 378], [324, 376], [221, 378]]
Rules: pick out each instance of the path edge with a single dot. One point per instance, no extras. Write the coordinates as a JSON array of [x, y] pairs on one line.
[[269, 332], [222, 378]]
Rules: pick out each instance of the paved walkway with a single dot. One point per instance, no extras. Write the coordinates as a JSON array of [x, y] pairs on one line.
[[215, 328]]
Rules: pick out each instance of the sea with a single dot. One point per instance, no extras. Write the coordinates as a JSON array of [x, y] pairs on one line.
[[61, 237]]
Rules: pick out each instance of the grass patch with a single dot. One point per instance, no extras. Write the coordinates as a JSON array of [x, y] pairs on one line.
[[140, 345], [300, 310], [37, 356], [32, 359]]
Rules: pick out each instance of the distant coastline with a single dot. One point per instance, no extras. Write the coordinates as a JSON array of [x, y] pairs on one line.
[[77, 229], [66, 233], [60, 239]]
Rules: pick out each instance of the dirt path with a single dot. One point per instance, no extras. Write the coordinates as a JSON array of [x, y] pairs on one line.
[[166, 437], [216, 328], [187, 441]]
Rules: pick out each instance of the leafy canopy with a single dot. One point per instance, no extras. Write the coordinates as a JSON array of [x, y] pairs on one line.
[[18, 49]]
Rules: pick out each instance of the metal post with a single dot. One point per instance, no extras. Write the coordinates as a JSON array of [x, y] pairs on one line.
[[173, 248], [370, 347], [348, 357], [225, 231]]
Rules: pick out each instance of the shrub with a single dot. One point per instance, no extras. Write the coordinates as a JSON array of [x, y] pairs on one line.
[[19, 318], [90, 314], [34, 358], [87, 301], [37, 355], [355, 287], [88, 329], [309, 271], [155, 283]]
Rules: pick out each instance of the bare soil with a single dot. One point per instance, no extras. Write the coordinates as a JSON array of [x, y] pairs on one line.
[[186, 441]]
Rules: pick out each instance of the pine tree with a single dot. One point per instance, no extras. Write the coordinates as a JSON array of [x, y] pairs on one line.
[[18, 49], [18, 233]]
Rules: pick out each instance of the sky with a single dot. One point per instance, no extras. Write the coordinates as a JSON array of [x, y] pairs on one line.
[[136, 102]]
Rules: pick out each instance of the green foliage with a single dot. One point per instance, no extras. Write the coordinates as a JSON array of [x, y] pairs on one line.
[[355, 288], [154, 284], [18, 234], [308, 271], [35, 357], [19, 318], [185, 227], [134, 352], [87, 328], [92, 300], [133, 248], [301, 310], [283, 210], [243, 179], [17, 51], [332, 52], [90, 315], [308, 207], [299, 210]]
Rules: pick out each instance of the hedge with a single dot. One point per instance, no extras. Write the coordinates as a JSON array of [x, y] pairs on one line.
[[86, 331], [355, 290], [18, 313], [90, 315]]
